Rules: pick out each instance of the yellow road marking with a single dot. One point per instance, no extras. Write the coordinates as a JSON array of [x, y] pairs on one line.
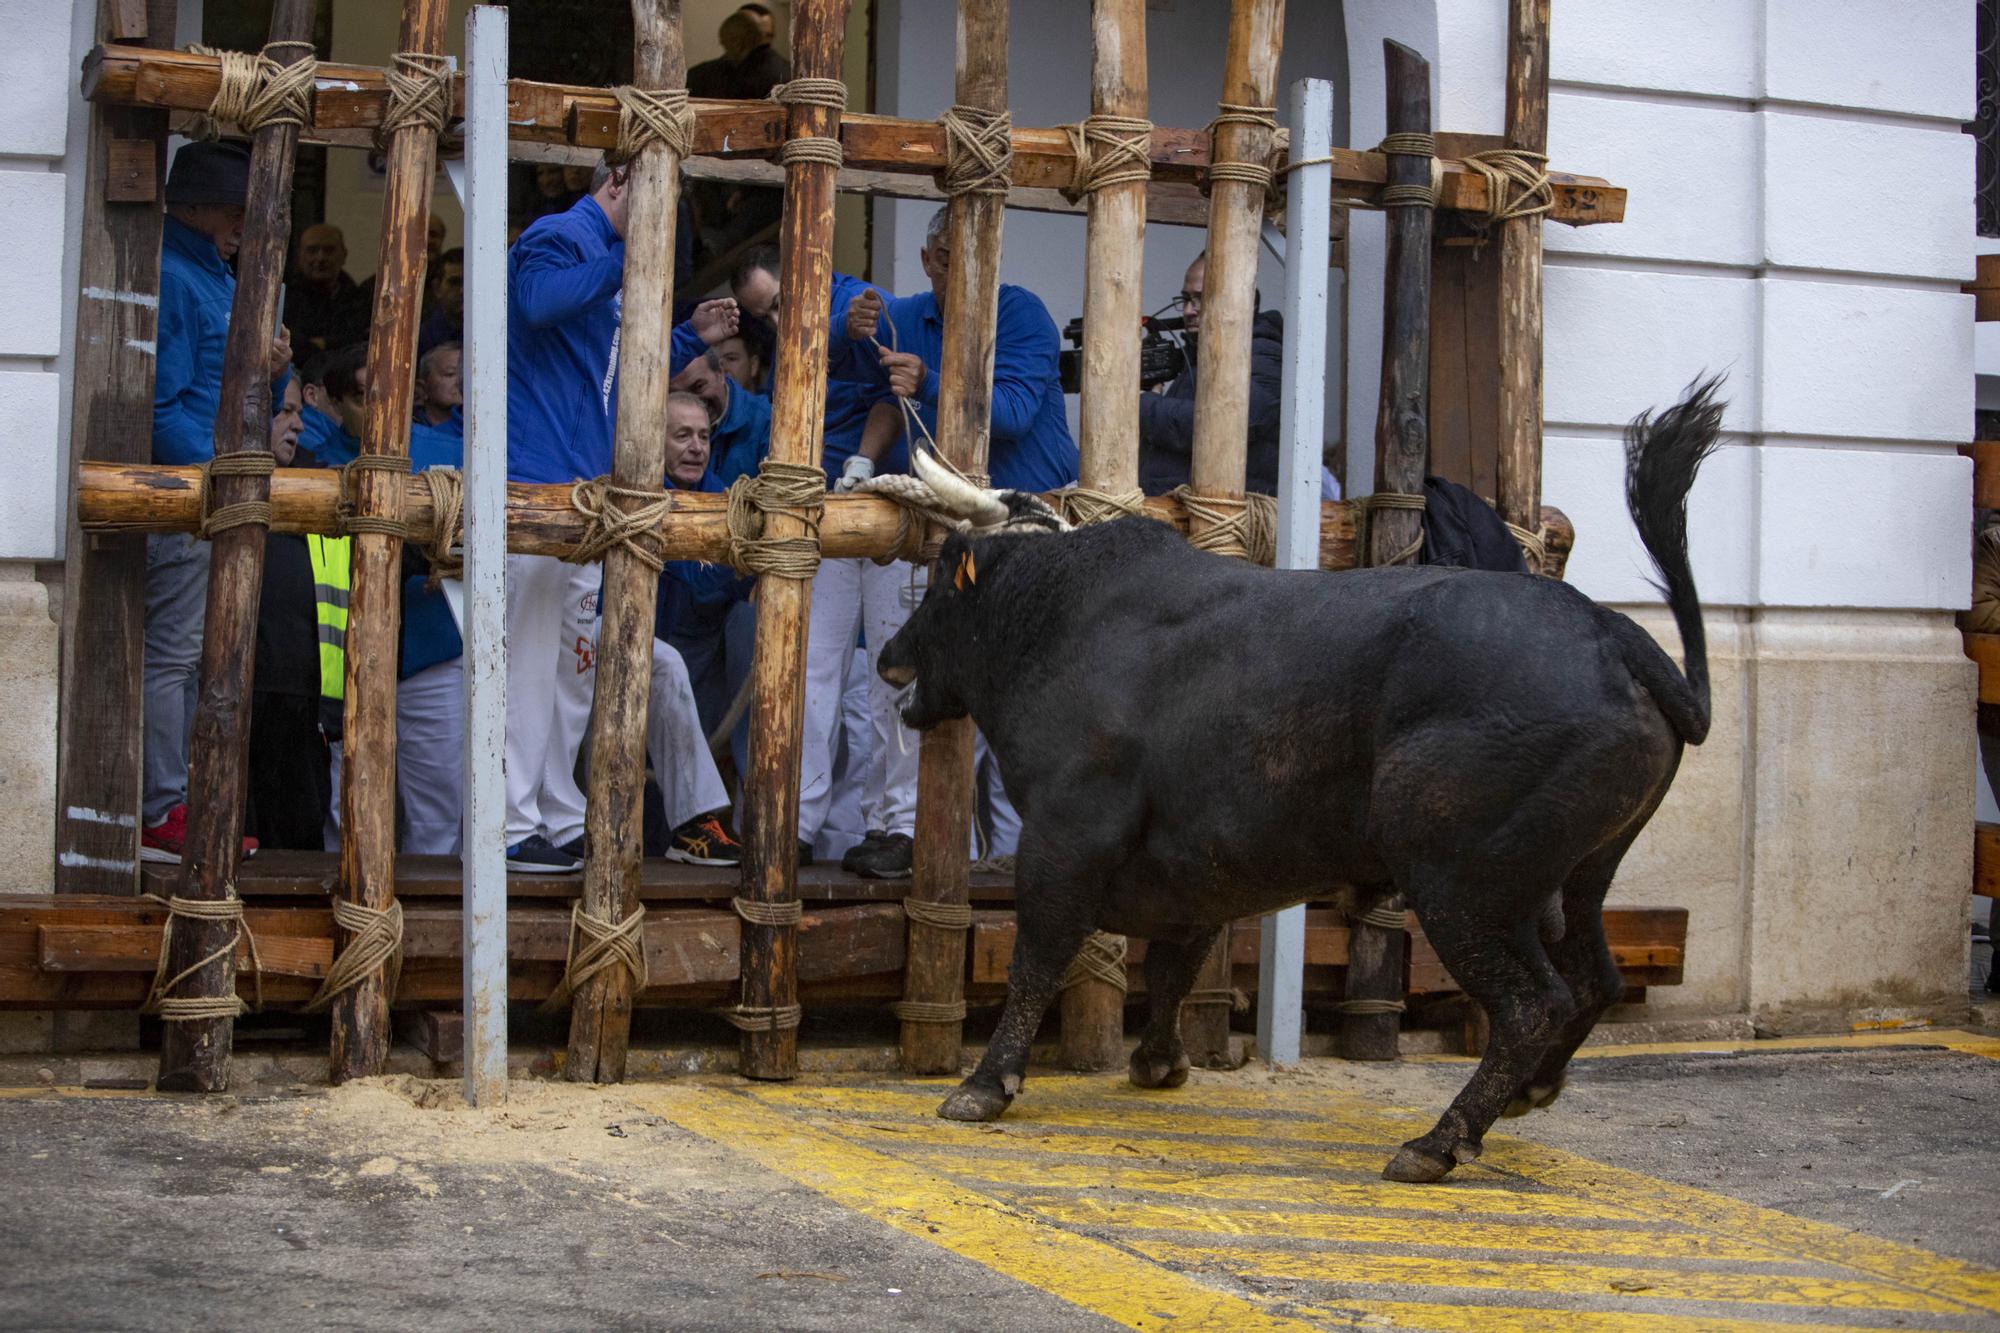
[[1349, 1229], [1519, 1319], [1121, 1147], [1575, 1279], [1950, 1039], [1084, 1272]]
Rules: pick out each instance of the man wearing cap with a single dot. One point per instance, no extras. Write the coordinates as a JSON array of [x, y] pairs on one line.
[[204, 227]]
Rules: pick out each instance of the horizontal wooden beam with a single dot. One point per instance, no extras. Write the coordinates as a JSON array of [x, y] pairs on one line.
[[1986, 860], [563, 122]]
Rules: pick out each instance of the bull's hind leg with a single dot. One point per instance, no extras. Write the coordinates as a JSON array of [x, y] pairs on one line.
[[1496, 954], [1160, 1061], [1585, 961]]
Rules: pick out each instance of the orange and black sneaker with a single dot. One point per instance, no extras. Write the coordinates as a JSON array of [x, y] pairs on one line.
[[704, 841]]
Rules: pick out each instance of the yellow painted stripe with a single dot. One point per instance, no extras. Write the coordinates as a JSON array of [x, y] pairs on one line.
[[1519, 1319], [1118, 1147], [80, 1094], [1348, 1229], [1087, 1273], [1397, 1270], [1951, 1039]]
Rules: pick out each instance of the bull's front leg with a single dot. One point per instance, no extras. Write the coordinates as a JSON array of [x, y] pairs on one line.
[[1160, 1061]]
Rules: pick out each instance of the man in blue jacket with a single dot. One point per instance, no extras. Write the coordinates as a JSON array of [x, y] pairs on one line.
[[565, 275], [430, 690], [204, 227]]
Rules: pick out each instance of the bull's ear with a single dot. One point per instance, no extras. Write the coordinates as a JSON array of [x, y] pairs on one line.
[[967, 571]]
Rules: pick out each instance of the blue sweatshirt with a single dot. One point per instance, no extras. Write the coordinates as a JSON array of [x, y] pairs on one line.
[[563, 304], [1031, 448], [739, 440], [196, 290], [848, 400], [325, 439], [430, 635], [695, 597]]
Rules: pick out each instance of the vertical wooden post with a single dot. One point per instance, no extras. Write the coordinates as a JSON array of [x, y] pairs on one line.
[[485, 855], [1093, 1010], [1374, 997], [368, 775], [600, 1015], [1222, 381], [194, 1053], [99, 720], [939, 865], [1520, 462], [778, 671]]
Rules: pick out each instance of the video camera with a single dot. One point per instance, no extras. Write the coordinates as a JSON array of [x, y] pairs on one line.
[[1161, 358]]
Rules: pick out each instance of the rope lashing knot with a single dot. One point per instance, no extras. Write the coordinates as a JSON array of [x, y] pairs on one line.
[[1527, 172], [194, 1008], [1249, 171], [821, 148], [606, 944], [1102, 958], [255, 90], [978, 150], [762, 1018], [1244, 526], [1084, 505], [246, 463], [447, 488], [945, 916], [419, 94], [797, 489], [929, 1011], [648, 116], [608, 523], [1364, 507], [786, 913], [1532, 546], [345, 506], [1371, 1006], [1384, 918], [1411, 144], [1110, 150], [377, 942], [1219, 996]]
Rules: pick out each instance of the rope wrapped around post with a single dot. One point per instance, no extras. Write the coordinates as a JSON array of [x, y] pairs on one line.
[[1411, 196], [757, 913], [419, 94], [608, 524], [193, 1009], [943, 916], [1234, 999], [762, 1018], [1371, 1006], [1250, 171], [248, 463], [978, 150], [1532, 546], [648, 116], [1385, 918], [1244, 526], [1102, 958], [378, 942], [1110, 150], [354, 523], [823, 148], [797, 489], [1084, 505], [1364, 508], [447, 488], [253, 91], [608, 943], [1527, 172]]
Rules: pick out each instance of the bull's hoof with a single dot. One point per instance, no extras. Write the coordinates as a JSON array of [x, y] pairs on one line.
[[1151, 1071], [969, 1101], [1533, 1098], [1413, 1165]]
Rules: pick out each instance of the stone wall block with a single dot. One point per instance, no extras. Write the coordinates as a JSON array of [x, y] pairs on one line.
[[30, 522], [40, 79], [1685, 205], [1864, 528], [1619, 340], [28, 654], [1813, 218], [1697, 46], [1847, 360], [31, 287], [1912, 57]]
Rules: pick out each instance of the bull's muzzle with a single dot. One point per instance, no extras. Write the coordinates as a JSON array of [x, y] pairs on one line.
[[899, 676]]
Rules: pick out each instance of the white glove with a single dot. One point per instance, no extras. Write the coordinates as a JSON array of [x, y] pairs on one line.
[[857, 470]]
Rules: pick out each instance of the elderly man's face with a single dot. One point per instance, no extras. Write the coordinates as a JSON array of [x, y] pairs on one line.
[[758, 294], [706, 383], [322, 253], [936, 257], [285, 425], [687, 443]]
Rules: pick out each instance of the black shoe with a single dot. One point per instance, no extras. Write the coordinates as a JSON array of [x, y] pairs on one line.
[[535, 855], [805, 852], [704, 841], [574, 847], [869, 842], [889, 859]]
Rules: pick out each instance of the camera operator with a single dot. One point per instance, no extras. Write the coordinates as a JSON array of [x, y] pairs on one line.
[[1166, 418]]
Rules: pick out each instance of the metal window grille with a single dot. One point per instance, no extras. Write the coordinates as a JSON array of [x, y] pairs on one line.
[[1985, 130]]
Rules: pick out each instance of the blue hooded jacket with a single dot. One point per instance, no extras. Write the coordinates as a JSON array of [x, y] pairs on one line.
[[1031, 445], [430, 635], [563, 306], [848, 400], [325, 439], [196, 290], [740, 438]]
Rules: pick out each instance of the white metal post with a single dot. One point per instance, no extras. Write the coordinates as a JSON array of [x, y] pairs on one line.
[[484, 856], [1301, 430]]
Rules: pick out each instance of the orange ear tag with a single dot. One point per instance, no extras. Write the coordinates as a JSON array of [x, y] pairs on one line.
[[967, 572]]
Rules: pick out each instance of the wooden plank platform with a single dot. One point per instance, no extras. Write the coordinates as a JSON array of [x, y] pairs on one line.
[[1986, 860]]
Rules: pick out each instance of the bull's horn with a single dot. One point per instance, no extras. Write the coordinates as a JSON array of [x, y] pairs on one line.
[[956, 495]]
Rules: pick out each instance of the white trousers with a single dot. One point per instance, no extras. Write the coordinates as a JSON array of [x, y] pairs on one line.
[[536, 653], [852, 597], [996, 826], [430, 757]]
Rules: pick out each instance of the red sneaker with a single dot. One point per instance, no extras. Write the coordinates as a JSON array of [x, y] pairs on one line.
[[165, 841]]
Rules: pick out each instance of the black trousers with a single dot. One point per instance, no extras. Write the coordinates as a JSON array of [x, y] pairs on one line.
[[290, 785]]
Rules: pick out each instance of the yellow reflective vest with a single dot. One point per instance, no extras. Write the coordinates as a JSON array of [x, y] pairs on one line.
[[329, 566]]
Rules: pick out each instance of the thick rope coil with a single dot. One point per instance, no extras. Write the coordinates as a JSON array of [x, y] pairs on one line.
[[1527, 172], [928, 1011], [1364, 507], [255, 90], [812, 148], [608, 524], [194, 1008], [1235, 999], [762, 1018], [447, 488], [1110, 150], [945, 916], [607, 944], [1102, 958], [648, 116], [419, 94], [829, 93], [1386, 918], [1083, 505], [978, 150], [246, 463], [353, 522], [377, 942], [1532, 546], [1250, 171], [769, 914], [1242, 526], [1371, 1006], [798, 489]]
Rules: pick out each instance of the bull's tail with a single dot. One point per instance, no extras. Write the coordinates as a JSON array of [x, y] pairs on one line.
[[1662, 455]]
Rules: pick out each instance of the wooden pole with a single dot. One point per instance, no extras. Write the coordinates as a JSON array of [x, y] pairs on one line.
[[368, 775], [1520, 341], [1093, 1010], [99, 720], [1368, 1024], [194, 1054], [935, 971], [1222, 383], [600, 1015], [777, 715]]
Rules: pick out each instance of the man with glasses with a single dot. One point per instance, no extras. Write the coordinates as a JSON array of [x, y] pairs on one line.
[[1166, 418]]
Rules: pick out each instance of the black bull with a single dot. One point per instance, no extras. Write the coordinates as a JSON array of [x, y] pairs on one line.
[[1190, 740]]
